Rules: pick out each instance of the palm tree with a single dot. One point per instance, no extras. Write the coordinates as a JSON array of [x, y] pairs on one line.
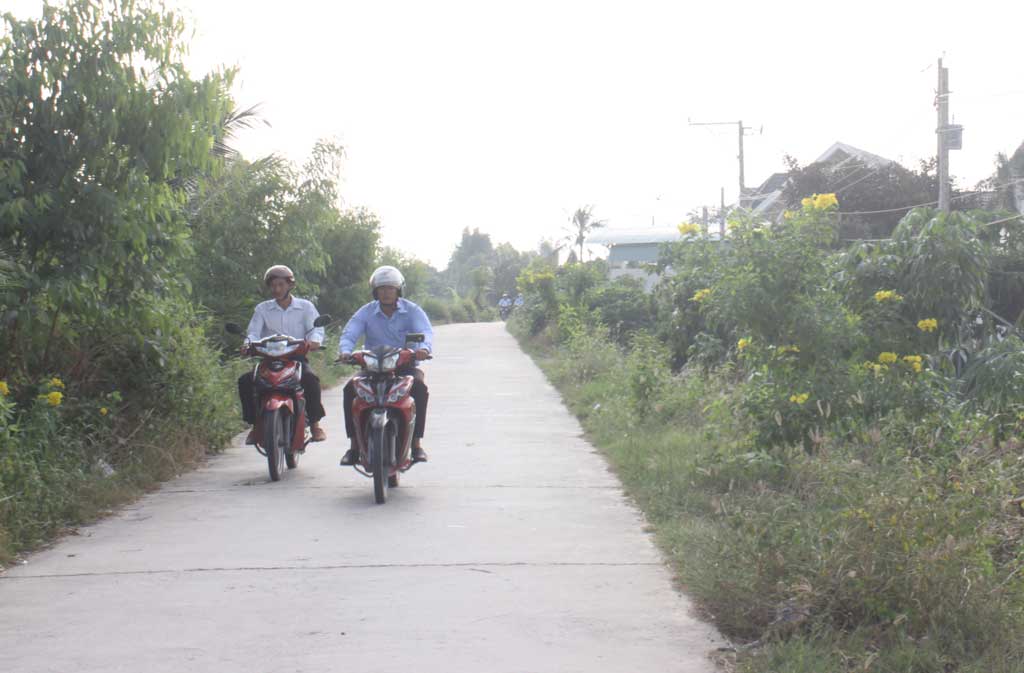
[[582, 223]]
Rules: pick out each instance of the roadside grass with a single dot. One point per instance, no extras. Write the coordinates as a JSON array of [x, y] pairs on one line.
[[874, 554], [66, 467]]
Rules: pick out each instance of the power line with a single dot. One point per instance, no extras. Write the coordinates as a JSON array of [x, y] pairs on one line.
[[965, 195]]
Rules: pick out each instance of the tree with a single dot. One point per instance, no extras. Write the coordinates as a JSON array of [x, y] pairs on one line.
[[267, 212], [863, 188], [582, 223], [104, 133], [473, 251]]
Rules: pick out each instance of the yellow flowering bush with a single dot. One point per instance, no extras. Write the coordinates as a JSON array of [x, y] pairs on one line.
[[742, 343], [800, 398], [782, 350], [825, 201], [888, 358], [887, 295], [928, 325], [915, 362], [54, 398], [701, 295], [104, 411], [820, 202], [56, 383], [688, 228], [4, 389]]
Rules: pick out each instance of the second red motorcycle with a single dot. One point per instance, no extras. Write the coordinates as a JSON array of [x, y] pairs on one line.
[[384, 414]]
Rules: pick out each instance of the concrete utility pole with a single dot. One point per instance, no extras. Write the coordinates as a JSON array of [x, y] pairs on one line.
[[721, 214], [742, 132], [942, 103]]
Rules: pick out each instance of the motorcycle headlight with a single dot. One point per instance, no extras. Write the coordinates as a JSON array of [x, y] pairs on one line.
[[391, 361], [276, 349]]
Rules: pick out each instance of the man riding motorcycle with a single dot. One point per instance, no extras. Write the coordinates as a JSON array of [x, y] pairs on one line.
[[386, 321], [284, 314]]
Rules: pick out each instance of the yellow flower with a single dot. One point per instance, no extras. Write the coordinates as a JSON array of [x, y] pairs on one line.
[[799, 399], [742, 343], [4, 389], [928, 325], [917, 367], [825, 201], [104, 411], [57, 383], [807, 202], [701, 295], [54, 399], [910, 359], [782, 350], [688, 228], [887, 295], [788, 214], [887, 358]]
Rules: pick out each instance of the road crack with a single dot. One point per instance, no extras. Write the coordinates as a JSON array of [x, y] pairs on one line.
[[340, 566]]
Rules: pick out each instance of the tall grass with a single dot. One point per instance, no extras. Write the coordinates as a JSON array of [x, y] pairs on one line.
[[882, 551]]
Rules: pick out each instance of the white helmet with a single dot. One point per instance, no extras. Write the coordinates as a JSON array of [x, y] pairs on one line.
[[387, 276]]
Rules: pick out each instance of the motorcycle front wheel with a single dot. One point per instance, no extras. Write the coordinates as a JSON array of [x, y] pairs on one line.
[[378, 465], [274, 442]]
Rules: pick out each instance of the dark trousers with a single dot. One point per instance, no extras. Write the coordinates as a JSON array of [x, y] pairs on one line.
[[310, 389], [420, 395]]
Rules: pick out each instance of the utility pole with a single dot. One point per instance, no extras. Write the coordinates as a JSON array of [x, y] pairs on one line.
[[721, 215], [742, 132], [942, 103]]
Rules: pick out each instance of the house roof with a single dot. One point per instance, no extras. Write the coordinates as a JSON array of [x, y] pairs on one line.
[[840, 152], [617, 237]]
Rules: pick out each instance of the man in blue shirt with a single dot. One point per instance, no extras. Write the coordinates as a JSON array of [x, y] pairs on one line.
[[387, 321]]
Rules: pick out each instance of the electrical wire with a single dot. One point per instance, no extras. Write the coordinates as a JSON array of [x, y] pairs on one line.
[[965, 195]]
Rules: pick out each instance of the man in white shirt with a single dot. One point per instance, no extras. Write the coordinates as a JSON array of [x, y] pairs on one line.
[[284, 314]]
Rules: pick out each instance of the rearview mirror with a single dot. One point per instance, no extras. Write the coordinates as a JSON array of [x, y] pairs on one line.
[[415, 338], [323, 319], [233, 328]]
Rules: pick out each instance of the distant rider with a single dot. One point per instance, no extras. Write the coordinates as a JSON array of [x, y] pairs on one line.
[[284, 314], [386, 321], [519, 300], [505, 302]]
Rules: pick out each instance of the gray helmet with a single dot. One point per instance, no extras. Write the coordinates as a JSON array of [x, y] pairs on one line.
[[278, 271]]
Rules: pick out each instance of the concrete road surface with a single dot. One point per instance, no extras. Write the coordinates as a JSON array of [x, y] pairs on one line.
[[512, 550]]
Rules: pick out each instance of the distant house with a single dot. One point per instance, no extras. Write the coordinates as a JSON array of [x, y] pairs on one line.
[[633, 252], [766, 200], [1017, 177]]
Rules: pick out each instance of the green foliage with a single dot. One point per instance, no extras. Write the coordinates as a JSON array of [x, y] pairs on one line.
[[863, 188], [825, 481]]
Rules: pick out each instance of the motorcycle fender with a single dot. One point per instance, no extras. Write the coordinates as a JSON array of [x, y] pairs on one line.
[[378, 419], [275, 402]]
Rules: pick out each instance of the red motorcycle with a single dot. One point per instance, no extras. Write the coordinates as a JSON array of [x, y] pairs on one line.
[[281, 430], [384, 414]]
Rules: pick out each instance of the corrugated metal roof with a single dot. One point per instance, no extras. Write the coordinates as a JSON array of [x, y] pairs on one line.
[[614, 237]]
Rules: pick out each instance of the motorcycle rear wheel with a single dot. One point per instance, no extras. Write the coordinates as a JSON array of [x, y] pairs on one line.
[[291, 457], [274, 442]]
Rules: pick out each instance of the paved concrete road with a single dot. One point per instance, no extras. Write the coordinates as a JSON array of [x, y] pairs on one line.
[[512, 550]]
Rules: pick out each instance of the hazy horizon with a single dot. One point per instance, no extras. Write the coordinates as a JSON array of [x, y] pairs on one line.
[[508, 116]]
